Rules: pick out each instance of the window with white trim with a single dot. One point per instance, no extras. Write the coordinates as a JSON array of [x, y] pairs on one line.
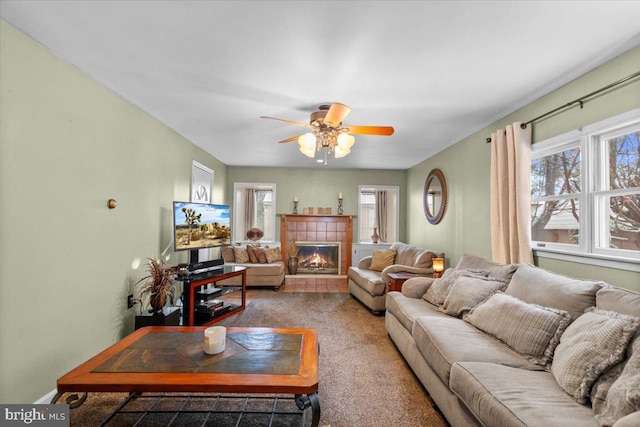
[[378, 210], [254, 207], [585, 190]]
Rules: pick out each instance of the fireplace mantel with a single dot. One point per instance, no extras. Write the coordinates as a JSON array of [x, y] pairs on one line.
[[318, 228]]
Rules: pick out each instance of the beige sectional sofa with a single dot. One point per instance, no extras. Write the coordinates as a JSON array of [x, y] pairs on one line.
[[265, 267], [369, 285], [516, 345]]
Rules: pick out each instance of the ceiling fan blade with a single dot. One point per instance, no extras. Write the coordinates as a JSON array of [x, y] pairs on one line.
[[337, 112], [369, 130], [288, 122], [293, 138]]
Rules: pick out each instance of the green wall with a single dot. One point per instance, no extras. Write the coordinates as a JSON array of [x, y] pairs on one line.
[[320, 187], [466, 165], [67, 262]]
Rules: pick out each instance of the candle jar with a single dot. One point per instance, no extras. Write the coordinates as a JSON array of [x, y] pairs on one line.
[[214, 339]]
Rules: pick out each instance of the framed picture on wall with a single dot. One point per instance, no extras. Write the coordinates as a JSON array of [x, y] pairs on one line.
[[201, 183]]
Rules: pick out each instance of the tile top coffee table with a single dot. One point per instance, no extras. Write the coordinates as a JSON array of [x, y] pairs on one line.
[[172, 359]]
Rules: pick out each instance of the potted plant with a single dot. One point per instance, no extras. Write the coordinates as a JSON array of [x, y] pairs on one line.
[[292, 261], [156, 287]]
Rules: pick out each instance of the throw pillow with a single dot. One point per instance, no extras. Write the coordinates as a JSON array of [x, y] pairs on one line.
[[227, 254], [501, 271], [273, 255], [467, 292], [439, 289], [382, 258], [624, 395], [251, 251], [594, 342], [241, 254], [262, 257], [531, 330], [536, 285]]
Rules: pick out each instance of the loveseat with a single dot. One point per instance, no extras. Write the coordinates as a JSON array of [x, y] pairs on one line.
[[517, 345], [369, 281], [265, 267]]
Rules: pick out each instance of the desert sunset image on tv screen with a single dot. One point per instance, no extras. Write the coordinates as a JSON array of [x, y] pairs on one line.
[[199, 225]]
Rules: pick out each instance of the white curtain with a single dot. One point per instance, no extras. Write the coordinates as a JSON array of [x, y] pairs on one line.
[[382, 217], [249, 208], [511, 195]]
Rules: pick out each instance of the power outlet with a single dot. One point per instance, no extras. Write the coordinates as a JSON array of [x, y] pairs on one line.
[[130, 301]]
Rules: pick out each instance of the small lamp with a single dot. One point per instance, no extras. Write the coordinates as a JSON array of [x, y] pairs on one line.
[[438, 267]]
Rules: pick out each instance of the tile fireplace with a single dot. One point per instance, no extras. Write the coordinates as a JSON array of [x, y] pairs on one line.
[[318, 230]]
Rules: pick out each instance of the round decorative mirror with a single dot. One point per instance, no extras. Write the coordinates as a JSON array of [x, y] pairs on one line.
[[435, 196]]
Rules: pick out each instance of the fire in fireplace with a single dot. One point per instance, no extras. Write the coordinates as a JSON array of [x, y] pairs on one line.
[[318, 257]]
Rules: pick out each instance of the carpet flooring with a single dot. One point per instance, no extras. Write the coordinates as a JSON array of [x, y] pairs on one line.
[[364, 380]]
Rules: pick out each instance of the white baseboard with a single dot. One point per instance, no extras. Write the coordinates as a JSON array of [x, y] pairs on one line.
[[46, 398]]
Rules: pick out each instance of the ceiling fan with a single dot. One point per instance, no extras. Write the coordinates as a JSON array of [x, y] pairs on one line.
[[328, 134]]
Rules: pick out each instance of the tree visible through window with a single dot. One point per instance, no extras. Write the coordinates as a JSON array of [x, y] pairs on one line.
[[585, 189]]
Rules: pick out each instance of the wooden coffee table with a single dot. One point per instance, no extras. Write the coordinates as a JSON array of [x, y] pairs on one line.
[[172, 359]]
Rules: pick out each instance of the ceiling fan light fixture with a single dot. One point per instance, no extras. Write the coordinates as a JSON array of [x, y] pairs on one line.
[[307, 141], [346, 141], [341, 152], [308, 152]]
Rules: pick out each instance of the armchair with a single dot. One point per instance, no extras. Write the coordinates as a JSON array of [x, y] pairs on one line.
[[370, 286]]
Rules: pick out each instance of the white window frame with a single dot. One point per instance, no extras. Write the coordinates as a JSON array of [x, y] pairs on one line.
[[593, 178], [361, 188], [238, 211]]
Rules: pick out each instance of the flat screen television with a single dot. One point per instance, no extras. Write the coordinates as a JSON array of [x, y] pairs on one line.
[[200, 225]]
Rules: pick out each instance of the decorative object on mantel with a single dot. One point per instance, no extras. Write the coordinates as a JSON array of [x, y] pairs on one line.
[[328, 134], [157, 286], [292, 261], [438, 267], [317, 211], [340, 211], [295, 205], [375, 236]]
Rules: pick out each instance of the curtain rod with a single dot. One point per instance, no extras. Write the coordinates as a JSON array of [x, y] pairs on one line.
[[579, 100]]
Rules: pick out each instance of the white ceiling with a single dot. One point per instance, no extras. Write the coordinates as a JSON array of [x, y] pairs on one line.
[[435, 70]]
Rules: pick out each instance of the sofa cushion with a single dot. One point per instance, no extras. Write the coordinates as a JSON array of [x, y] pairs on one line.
[[500, 271], [227, 254], [368, 280], [624, 395], [240, 254], [444, 341], [412, 256], [531, 330], [619, 300], [407, 310], [382, 258], [253, 255], [593, 343], [506, 396], [539, 286], [467, 292], [439, 289], [273, 255]]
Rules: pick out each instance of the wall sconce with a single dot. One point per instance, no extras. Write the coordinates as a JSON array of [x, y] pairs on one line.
[[438, 267], [340, 210]]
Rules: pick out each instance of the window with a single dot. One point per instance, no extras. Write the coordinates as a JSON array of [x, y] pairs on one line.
[[378, 208], [254, 207], [585, 191]]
